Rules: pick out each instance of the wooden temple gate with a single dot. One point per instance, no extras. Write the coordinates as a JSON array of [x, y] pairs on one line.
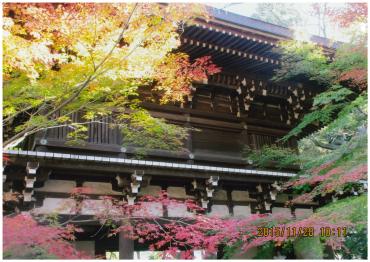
[[236, 108]]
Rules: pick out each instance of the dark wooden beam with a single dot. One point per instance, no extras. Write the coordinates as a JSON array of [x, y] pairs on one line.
[[100, 169]]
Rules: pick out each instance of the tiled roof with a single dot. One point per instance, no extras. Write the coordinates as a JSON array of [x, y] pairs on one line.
[[266, 27]]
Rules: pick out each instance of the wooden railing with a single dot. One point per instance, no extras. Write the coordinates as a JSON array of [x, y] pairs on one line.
[[99, 131], [228, 140]]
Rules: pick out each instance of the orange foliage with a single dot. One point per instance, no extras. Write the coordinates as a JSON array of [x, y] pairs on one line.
[[356, 78], [354, 12]]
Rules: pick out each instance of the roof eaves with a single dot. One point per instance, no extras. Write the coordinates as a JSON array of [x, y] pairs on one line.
[[144, 163], [269, 28]]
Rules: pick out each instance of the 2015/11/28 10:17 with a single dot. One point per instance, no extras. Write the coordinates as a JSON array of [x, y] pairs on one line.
[[300, 231]]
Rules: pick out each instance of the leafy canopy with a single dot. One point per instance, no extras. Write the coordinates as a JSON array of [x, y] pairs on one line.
[[333, 159], [92, 57]]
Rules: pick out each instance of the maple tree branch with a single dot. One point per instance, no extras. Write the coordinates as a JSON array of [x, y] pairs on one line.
[[22, 135], [32, 130], [132, 50], [92, 77], [323, 145], [83, 85], [166, 232], [70, 99], [126, 25], [17, 138], [360, 111], [78, 109], [9, 118], [97, 232]]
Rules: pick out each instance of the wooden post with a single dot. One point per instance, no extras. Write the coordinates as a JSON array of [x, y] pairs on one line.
[[189, 140], [126, 245]]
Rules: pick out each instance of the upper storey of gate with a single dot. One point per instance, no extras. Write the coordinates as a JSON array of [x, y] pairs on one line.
[[241, 44], [237, 107]]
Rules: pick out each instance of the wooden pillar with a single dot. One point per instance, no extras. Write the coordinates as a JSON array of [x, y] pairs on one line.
[[126, 246], [99, 248], [254, 142], [244, 134], [189, 141], [230, 203]]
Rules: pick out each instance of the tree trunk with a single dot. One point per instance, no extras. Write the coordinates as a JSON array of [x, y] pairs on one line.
[[308, 248]]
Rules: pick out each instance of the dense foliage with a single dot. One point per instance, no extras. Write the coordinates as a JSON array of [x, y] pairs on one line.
[[333, 159], [100, 70], [272, 156], [24, 238], [142, 222], [92, 58]]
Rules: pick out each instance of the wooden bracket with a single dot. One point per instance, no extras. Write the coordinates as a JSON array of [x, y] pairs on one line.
[[209, 191], [276, 185], [205, 189], [213, 180], [204, 203], [136, 179], [30, 179], [131, 184], [273, 194], [247, 91], [130, 200], [259, 188]]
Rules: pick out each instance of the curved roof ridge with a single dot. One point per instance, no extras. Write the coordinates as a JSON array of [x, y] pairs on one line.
[[266, 27]]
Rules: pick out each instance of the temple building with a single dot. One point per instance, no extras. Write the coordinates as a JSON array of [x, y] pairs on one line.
[[235, 108]]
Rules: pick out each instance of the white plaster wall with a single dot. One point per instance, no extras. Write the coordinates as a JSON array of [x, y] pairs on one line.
[[57, 186], [149, 209], [281, 211], [93, 207], [219, 211], [241, 211], [56, 205], [303, 212], [281, 198], [150, 190], [238, 195], [178, 192], [178, 210], [220, 195], [100, 188]]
